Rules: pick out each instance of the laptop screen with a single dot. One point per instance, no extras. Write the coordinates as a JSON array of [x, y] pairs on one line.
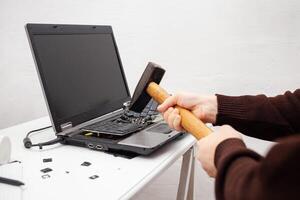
[[81, 74]]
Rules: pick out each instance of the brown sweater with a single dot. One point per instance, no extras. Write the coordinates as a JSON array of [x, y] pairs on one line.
[[244, 174]]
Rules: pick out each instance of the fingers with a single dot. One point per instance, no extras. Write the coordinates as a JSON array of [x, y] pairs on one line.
[[169, 102], [177, 123], [167, 113], [170, 114], [206, 147], [173, 119]]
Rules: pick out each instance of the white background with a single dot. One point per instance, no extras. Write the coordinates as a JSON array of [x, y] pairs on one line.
[[207, 46]]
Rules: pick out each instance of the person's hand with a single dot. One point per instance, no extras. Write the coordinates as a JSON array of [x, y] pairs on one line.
[[206, 147], [203, 107]]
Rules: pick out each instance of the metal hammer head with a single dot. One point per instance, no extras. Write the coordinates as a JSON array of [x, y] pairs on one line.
[[140, 98]]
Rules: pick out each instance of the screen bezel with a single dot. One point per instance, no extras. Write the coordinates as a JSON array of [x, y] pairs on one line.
[[60, 29]]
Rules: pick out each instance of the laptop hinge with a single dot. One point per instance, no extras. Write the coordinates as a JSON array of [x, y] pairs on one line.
[[126, 105], [66, 126]]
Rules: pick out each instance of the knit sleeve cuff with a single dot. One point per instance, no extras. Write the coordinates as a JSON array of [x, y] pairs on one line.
[[226, 148], [229, 108], [230, 149]]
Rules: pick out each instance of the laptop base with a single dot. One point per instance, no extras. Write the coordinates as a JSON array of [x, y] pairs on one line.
[[140, 143]]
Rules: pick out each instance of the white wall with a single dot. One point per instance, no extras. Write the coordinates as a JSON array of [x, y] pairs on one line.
[[232, 47]]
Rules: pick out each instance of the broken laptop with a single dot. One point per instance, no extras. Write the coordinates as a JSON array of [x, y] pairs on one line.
[[86, 91]]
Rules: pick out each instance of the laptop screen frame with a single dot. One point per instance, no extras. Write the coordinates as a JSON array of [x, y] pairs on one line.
[[60, 29]]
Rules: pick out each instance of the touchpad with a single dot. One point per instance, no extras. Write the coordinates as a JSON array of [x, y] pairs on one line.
[[161, 128]]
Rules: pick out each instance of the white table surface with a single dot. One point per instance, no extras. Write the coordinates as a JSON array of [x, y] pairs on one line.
[[119, 178]]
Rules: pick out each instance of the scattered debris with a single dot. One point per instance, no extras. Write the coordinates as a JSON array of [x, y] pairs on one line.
[[86, 164], [45, 176], [94, 177], [46, 170], [45, 160]]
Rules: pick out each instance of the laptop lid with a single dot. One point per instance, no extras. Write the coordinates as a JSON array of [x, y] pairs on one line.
[[80, 70]]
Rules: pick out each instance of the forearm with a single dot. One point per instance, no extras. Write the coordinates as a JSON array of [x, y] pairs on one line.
[[260, 116], [236, 168], [243, 174]]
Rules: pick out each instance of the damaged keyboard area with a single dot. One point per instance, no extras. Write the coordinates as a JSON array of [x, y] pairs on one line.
[[128, 122]]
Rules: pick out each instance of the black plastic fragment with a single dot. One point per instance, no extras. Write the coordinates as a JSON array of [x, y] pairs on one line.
[[94, 177], [46, 170], [45, 160], [86, 164]]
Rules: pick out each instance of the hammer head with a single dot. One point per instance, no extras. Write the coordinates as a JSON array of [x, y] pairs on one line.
[[140, 98]]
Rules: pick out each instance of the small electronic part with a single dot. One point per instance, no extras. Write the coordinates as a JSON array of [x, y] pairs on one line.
[[45, 160], [46, 170], [88, 134], [94, 177], [45, 176], [86, 164]]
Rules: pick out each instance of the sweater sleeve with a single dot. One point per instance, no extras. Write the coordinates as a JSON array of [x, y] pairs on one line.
[[243, 174], [259, 116]]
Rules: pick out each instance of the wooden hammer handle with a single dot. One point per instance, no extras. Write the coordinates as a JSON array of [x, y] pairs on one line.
[[189, 121]]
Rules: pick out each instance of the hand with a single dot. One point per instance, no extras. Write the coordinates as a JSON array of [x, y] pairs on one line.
[[206, 147], [203, 107]]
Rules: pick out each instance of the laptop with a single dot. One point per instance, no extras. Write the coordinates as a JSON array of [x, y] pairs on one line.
[[86, 91]]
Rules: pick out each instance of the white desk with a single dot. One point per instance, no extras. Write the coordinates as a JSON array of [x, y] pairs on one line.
[[119, 178]]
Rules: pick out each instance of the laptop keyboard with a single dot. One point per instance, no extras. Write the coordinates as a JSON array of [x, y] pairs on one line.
[[126, 123], [114, 127]]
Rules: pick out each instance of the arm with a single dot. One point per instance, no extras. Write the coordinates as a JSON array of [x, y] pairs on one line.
[[260, 116], [243, 174]]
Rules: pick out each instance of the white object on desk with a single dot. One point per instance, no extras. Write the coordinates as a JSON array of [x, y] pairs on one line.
[[5, 149], [11, 170]]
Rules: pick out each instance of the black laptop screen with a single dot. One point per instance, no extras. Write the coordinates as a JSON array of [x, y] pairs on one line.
[[81, 74]]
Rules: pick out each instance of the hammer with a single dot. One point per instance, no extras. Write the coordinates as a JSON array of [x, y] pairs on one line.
[[148, 87]]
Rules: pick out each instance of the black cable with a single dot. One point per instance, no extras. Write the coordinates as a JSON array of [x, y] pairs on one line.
[[36, 130], [28, 144]]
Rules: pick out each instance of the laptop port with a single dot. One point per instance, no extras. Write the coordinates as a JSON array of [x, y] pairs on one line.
[[99, 147], [91, 146]]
